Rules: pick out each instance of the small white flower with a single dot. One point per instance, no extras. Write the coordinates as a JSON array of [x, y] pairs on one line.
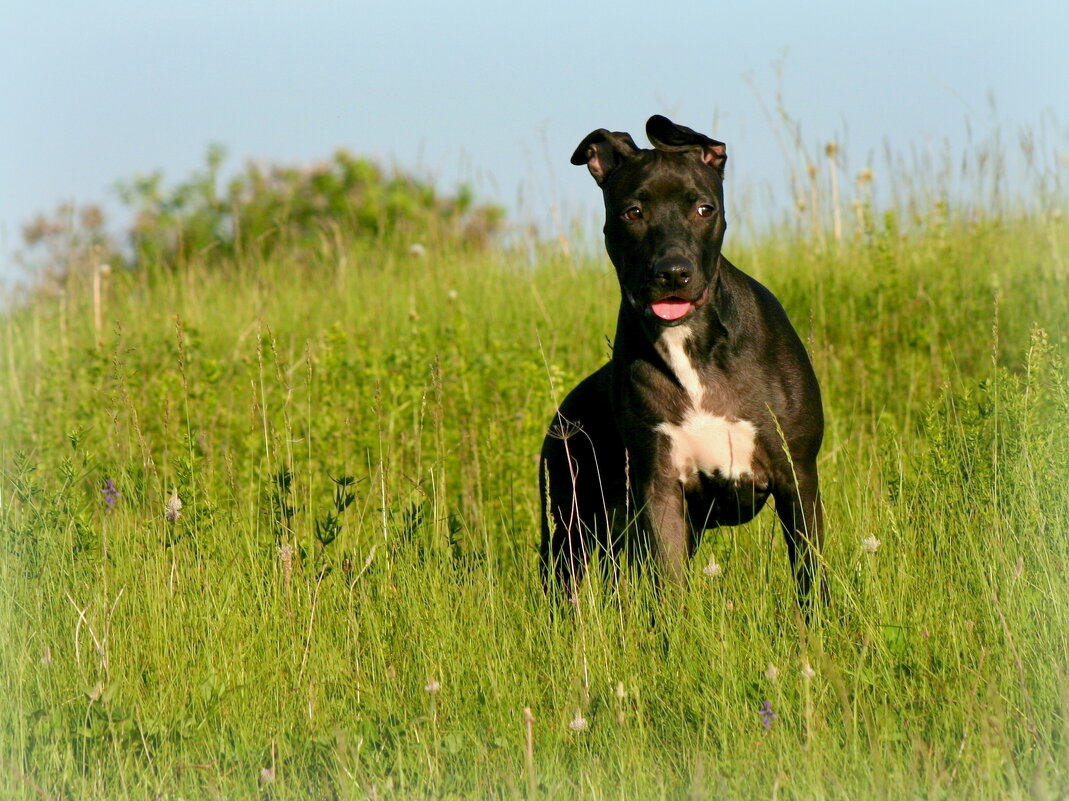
[[579, 723], [452, 294], [621, 693], [417, 250], [712, 570], [772, 673], [729, 605], [807, 670], [870, 544], [267, 776], [173, 509], [432, 686]]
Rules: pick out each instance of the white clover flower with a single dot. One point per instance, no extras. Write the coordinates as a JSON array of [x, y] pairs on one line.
[[267, 775], [870, 544], [621, 693], [579, 723], [713, 570], [432, 686], [807, 670], [772, 673]]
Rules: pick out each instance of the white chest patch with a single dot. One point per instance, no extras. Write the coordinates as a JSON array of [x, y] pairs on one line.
[[703, 443], [711, 445], [671, 347]]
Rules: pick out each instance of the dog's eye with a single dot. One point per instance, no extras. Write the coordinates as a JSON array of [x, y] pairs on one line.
[[705, 210], [632, 214]]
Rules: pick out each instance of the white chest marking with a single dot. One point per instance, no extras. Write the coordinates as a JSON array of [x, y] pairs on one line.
[[711, 445], [703, 443], [670, 346]]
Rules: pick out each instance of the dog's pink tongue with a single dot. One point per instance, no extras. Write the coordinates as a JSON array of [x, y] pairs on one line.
[[671, 308]]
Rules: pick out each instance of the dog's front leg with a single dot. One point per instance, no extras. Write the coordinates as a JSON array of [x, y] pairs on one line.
[[802, 519], [666, 527]]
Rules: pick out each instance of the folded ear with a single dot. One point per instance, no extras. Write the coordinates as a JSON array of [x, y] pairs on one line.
[[603, 151], [666, 135]]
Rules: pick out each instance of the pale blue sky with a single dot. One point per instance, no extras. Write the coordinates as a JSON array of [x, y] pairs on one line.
[[494, 93]]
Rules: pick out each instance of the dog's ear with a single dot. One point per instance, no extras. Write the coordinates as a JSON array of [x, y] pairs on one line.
[[603, 151], [666, 135]]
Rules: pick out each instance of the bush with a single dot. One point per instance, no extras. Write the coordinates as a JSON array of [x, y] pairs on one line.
[[264, 210], [273, 207]]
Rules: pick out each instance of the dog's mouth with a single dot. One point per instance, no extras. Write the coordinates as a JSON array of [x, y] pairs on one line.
[[673, 309]]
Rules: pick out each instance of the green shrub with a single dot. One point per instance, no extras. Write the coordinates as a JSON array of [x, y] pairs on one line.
[[270, 208], [265, 210]]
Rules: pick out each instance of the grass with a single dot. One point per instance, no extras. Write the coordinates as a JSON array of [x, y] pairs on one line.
[[347, 604]]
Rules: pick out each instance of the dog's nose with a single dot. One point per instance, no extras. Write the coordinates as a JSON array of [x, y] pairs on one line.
[[672, 273]]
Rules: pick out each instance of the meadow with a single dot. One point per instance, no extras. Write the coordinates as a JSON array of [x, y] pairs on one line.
[[269, 530]]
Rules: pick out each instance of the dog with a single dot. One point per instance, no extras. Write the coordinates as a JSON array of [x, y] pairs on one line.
[[708, 404]]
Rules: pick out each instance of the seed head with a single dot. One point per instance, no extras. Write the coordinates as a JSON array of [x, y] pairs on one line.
[[285, 555], [173, 509]]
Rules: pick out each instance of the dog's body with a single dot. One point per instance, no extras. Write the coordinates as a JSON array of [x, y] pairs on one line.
[[709, 403]]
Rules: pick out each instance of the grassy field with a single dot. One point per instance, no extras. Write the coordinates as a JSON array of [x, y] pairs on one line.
[[346, 603]]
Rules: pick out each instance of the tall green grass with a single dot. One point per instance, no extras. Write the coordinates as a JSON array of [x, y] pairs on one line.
[[347, 603]]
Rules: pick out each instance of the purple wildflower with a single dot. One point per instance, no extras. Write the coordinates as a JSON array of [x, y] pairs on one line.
[[767, 715], [111, 493]]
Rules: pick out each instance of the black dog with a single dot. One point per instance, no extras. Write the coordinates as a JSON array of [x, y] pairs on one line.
[[709, 403]]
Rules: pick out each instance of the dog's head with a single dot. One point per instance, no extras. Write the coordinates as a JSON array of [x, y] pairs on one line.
[[664, 215]]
